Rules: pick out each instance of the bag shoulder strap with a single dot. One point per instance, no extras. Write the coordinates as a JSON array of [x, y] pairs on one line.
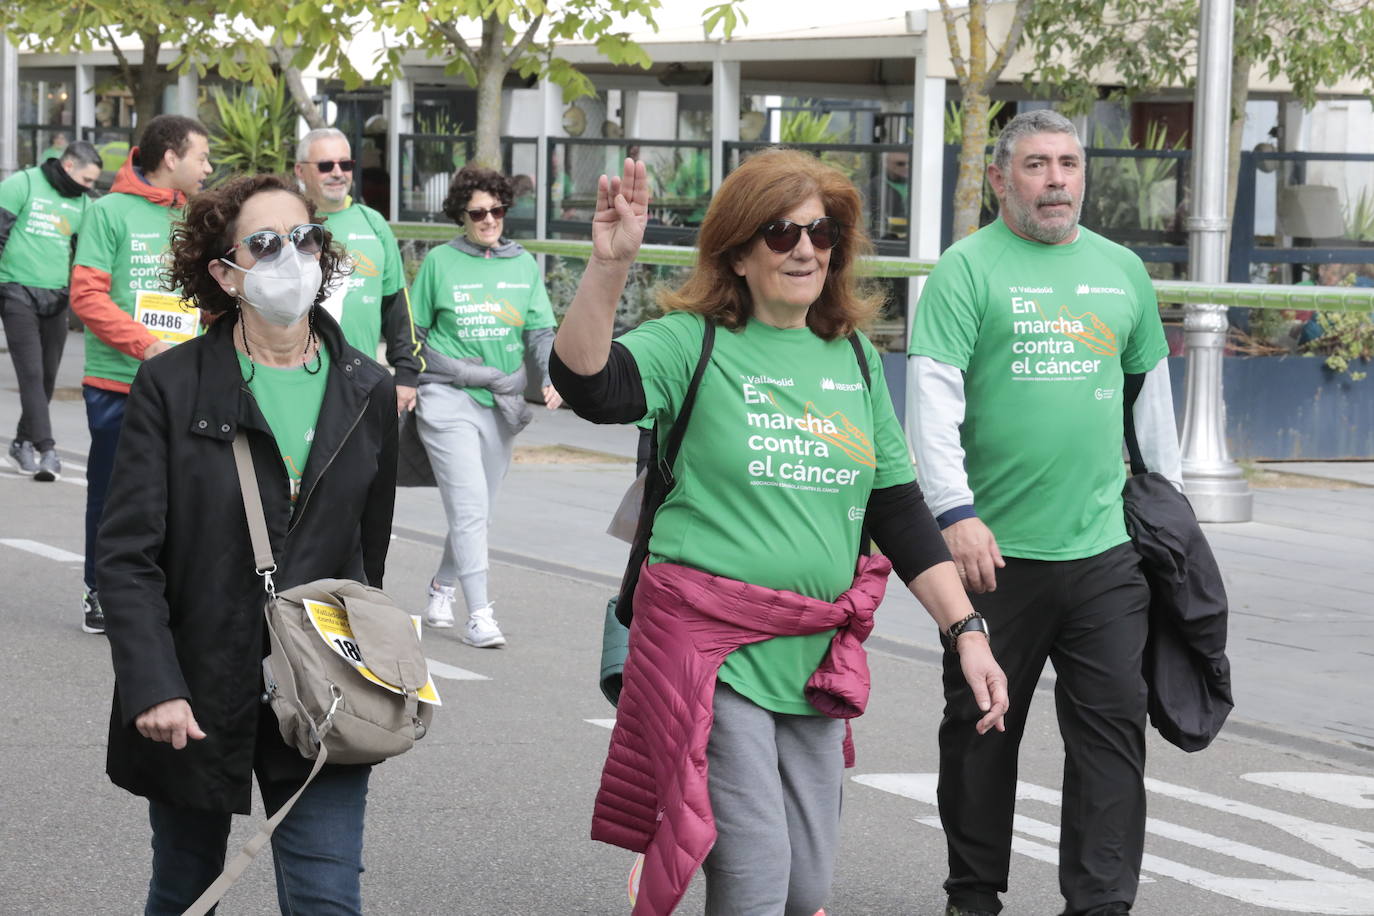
[[862, 358], [1133, 385], [252, 506], [684, 414], [234, 870]]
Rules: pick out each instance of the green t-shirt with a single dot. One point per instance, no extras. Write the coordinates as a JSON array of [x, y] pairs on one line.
[[290, 401], [38, 253], [356, 303], [1043, 334], [480, 307], [785, 445], [126, 236]]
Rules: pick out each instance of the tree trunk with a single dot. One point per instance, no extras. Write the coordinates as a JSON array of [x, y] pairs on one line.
[[968, 190], [491, 75], [148, 82], [305, 105], [973, 116]]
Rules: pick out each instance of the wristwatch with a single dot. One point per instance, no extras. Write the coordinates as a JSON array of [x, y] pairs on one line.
[[973, 623]]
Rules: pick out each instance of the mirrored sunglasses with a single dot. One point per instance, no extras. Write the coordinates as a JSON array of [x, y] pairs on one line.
[[265, 245]]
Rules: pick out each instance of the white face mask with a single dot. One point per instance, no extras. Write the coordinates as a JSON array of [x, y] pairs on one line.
[[283, 289]]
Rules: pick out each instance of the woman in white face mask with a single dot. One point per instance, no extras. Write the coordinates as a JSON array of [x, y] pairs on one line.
[[184, 604]]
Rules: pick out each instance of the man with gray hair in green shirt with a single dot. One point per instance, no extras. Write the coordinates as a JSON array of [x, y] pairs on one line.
[[371, 301], [1029, 337]]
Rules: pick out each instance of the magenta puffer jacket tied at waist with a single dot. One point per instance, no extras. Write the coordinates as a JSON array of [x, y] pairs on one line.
[[653, 797]]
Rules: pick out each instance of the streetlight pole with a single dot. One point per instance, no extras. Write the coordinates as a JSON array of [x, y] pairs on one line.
[[1213, 482]]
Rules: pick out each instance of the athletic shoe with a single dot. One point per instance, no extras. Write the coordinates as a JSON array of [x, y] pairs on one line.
[[952, 910], [49, 467], [482, 630], [21, 456], [94, 621], [439, 613]]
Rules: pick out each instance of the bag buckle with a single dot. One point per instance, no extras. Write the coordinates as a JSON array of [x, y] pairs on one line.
[[267, 582]]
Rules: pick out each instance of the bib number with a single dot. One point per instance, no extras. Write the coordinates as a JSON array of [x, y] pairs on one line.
[[166, 317]]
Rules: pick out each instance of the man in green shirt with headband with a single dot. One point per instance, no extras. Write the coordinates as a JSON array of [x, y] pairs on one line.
[[1029, 337], [372, 299], [40, 213]]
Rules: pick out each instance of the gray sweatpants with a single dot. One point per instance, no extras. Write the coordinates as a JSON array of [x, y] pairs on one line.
[[470, 450], [775, 783]]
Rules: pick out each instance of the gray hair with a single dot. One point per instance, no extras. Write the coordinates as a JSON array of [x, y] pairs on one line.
[[82, 153], [1040, 121], [319, 133]]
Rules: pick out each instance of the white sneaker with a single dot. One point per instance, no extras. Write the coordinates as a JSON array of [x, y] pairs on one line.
[[482, 630], [439, 613]]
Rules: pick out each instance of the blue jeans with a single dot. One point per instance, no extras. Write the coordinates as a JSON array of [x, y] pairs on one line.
[[104, 417], [317, 851]]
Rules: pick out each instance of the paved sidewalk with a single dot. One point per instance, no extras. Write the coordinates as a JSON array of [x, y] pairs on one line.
[[1299, 576]]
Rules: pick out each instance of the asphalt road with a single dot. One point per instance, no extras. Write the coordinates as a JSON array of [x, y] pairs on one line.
[[490, 813]]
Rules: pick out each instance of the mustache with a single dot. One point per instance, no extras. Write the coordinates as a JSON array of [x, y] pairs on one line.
[[1050, 198]]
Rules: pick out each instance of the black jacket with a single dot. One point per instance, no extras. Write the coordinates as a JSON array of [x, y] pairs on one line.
[[1186, 667], [183, 605]]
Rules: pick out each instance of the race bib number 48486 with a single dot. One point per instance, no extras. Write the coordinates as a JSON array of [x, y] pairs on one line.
[[166, 316]]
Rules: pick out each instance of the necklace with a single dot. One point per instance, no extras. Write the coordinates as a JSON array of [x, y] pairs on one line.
[[310, 338]]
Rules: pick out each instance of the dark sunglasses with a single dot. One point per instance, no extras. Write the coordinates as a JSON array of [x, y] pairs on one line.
[[478, 215], [327, 166], [265, 245], [782, 235]]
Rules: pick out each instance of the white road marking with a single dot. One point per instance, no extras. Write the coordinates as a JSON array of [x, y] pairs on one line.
[[452, 672], [601, 723], [1354, 846], [43, 550], [1337, 788], [1318, 889]]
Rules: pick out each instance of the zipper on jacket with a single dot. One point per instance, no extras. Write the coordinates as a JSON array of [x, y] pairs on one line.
[[300, 514]]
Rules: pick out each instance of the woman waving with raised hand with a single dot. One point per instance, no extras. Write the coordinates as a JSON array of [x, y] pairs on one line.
[[746, 647]]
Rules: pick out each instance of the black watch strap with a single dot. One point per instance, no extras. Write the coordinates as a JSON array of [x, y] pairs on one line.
[[973, 623]]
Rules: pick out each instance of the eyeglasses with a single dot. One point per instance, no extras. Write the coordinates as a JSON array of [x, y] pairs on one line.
[[264, 245], [327, 166], [478, 215], [782, 235]]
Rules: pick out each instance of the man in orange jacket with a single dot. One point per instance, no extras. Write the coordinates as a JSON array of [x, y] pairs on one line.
[[117, 292]]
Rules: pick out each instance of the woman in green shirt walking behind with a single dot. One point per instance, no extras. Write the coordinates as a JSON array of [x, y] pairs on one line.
[[478, 303]]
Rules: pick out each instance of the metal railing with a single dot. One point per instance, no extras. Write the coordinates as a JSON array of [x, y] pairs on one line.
[[1175, 292]]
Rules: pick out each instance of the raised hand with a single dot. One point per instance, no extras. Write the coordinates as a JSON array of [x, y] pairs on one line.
[[622, 211]]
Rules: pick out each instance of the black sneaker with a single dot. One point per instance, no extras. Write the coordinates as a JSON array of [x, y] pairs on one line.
[[94, 621], [21, 456], [49, 467], [952, 910]]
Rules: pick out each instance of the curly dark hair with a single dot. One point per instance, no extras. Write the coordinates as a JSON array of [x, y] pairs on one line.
[[469, 180], [208, 228]]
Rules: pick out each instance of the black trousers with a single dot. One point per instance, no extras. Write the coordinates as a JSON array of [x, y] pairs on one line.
[[1090, 618], [35, 343]]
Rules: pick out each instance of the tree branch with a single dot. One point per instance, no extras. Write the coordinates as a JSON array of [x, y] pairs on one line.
[[956, 56], [523, 44], [1009, 46], [124, 66], [450, 31]]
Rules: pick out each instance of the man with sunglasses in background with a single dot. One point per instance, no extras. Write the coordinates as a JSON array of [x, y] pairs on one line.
[[372, 299], [117, 292], [1029, 338]]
